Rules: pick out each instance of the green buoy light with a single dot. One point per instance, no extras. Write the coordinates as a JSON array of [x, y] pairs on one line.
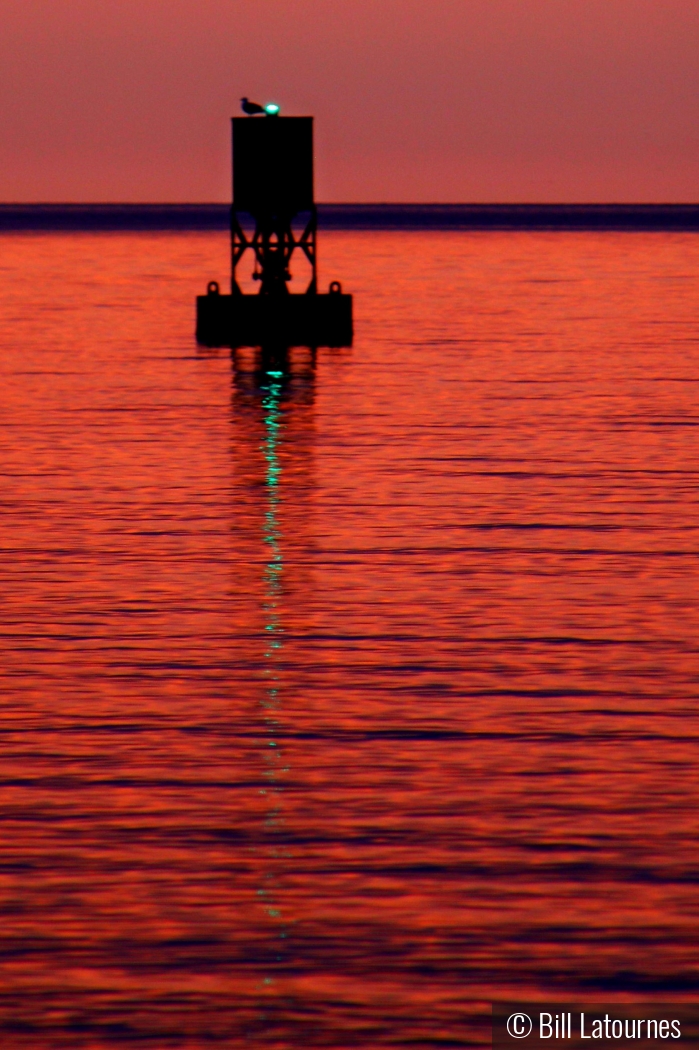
[[272, 109]]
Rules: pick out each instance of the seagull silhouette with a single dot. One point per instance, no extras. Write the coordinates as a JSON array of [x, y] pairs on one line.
[[250, 107]]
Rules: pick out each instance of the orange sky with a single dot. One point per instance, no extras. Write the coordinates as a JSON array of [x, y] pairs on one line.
[[432, 100]]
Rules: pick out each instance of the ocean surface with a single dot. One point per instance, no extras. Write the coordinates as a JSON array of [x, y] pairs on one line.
[[340, 699]]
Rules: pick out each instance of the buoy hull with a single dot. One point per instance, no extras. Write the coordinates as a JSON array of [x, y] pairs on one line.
[[262, 320]]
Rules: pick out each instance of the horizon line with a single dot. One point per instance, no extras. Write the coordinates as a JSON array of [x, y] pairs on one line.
[[383, 215]]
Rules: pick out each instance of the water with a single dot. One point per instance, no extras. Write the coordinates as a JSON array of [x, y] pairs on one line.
[[336, 703]]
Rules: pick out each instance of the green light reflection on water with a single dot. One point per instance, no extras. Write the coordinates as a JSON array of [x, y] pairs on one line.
[[272, 389]]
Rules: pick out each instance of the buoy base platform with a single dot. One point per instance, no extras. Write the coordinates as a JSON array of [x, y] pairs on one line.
[[263, 320]]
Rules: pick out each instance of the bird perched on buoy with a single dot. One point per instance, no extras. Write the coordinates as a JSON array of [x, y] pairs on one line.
[[251, 108]]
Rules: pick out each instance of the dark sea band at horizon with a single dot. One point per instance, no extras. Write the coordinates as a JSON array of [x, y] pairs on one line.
[[372, 216]]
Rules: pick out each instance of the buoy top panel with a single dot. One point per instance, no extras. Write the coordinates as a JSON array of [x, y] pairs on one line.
[[273, 165]]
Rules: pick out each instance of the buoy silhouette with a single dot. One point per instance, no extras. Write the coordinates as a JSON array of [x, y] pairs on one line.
[[273, 187]]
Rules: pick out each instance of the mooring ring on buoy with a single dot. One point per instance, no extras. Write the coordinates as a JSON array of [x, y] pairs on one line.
[[335, 288], [212, 288]]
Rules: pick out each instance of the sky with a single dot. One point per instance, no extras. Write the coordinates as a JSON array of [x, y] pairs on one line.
[[415, 100]]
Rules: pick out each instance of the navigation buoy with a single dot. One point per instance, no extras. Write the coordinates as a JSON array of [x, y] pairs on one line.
[[273, 186]]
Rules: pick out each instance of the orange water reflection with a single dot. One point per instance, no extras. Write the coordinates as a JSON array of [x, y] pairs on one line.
[[338, 700]]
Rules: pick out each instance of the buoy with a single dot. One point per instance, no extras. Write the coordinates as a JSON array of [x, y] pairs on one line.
[[273, 185]]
